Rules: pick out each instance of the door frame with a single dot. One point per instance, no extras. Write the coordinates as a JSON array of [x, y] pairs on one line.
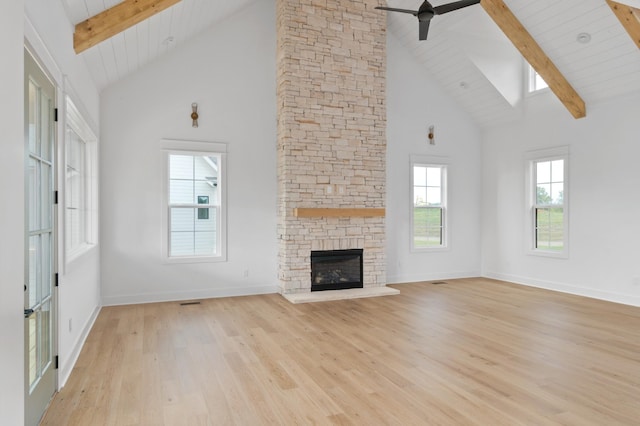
[[55, 161]]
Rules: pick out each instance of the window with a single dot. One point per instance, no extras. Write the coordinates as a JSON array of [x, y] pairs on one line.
[[536, 82], [80, 191], [428, 205], [76, 200], [195, 204], [548, 185], [203, 214]]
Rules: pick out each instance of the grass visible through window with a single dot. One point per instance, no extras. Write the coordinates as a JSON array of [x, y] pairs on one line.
[[427, 227], [550, 229]]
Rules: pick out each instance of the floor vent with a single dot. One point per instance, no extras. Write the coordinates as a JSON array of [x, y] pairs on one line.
[[189, 303], [438, 282]]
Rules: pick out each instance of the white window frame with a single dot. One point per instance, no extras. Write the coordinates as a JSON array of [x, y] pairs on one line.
[[183, 147], [443, 164], [531, 81], [75, 122], [531, 159]]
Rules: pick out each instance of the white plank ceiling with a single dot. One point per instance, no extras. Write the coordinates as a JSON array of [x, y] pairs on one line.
[[466, 52], [126, 52]]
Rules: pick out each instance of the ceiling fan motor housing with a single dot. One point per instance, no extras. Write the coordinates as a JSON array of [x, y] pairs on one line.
[[426, 12]]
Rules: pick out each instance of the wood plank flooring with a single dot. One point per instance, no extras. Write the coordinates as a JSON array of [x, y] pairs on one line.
[[469, 352]]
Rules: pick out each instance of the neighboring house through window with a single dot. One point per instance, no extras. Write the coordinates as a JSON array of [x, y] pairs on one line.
[[428, 203], [547, 188], [195, 203]]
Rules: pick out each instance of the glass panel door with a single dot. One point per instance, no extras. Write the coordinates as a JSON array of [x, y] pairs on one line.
[[39, 310]]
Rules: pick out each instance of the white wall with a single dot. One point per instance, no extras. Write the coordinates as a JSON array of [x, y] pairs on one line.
[[603, 199], [414, 102], [11, 213], [229, 70]]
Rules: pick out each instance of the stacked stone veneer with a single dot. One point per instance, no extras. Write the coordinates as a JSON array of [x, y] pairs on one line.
[[331, 68]]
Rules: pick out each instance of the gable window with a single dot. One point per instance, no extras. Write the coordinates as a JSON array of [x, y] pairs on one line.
[[536, 82], [195, 207], [548, 190], [80, 190], [428, 205]]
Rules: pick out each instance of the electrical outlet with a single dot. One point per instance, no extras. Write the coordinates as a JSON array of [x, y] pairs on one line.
[[70, 325], [245, 273]]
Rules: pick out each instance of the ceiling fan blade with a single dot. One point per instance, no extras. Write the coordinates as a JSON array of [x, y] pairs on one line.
[[450, 7], [424, 29], [393, 9]]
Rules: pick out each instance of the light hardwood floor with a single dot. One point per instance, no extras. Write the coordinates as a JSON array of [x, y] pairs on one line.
[[472, 351]]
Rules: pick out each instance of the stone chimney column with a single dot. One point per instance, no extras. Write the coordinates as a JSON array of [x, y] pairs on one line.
[[331, 93]]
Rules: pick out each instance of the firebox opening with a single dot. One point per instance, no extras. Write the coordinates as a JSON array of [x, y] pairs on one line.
[[336, 269]]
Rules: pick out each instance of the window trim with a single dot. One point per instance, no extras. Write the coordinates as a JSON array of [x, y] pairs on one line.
[[444, 164], [531, 159], [185, 147], [75, 121]]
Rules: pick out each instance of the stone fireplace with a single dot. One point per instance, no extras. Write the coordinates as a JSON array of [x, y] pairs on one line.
[[331, 91]]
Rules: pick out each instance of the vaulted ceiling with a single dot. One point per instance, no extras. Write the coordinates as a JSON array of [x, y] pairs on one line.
[[466, 52], [477, 64]]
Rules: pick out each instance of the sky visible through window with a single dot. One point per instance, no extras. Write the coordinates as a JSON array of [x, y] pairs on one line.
[[536, 82]]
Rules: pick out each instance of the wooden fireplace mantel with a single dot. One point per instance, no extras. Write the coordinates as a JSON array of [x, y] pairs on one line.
[[338, 212]]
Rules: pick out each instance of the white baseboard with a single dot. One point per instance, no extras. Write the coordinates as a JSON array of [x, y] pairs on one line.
[[400, 279], [624, 299], [187, 295], [67, 364]]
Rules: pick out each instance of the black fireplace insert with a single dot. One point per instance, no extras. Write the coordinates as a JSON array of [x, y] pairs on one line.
[[336, 269]]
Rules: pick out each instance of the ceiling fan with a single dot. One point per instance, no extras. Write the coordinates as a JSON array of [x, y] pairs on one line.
[[426, 12]]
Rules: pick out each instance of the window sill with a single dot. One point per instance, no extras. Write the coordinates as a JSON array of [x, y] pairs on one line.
[[194, 259], [552, 254], [537, 92], [429, 249], [73, 257]]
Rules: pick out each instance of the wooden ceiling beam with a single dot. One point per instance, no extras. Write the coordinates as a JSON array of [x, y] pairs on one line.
[[533, 53], [112, 21], [629, 17]]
